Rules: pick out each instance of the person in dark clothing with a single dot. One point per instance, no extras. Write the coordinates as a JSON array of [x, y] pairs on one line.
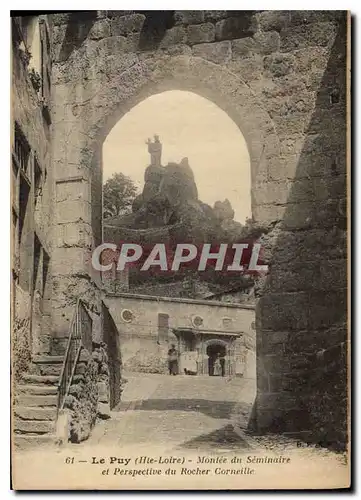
[[173, 360]]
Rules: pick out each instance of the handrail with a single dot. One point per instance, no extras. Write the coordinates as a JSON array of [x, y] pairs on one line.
[[80, 336]]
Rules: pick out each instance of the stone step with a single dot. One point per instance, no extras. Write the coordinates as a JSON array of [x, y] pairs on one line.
[[84, 357], [26, 413], [33, 440], [36, 400], [52, 369], [37, 390], [46, 369], [40, 379], [48, 359], [33, 426]]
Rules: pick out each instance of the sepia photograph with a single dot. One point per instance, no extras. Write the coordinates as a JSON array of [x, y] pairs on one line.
[[180, 271]]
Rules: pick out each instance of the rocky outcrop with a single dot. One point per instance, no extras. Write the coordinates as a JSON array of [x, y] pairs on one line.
[[223, 210], [170, 200]]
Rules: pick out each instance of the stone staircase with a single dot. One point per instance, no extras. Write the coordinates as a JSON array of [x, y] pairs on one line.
[[35, 402]]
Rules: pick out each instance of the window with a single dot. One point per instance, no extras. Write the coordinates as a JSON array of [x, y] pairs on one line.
[[22, 215], [14, 184], [46, 261], [26, 23], [24, 236], [22, 151], [127, 315], [30, 263], [22, 31], [24, 193], [37, 180], [163, 326], [37, 277], [14, 242], [197, 321], [227, 322], [45, 62]]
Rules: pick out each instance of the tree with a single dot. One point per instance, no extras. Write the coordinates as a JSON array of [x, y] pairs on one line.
[[119, 193]]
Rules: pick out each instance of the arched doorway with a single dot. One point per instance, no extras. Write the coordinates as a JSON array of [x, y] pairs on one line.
[[217, 352]]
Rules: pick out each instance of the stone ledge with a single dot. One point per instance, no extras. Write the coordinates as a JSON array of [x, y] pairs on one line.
[[36, 390], [235, 27], [200, 33], [217, 52], [126, 24], [33, 427], [270, 20], [183, 300], [32, 441], [302, 36], [189, 16], [174, 36], [35, 413], [36, 400]]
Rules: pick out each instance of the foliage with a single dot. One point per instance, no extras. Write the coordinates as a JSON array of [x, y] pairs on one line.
[[119, 193], [25, 54], [35, 79]]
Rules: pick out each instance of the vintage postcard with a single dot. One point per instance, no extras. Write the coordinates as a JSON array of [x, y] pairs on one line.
[[180, 233]]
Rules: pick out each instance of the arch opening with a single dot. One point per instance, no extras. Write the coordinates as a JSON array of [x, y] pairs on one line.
[[176, 168], [216, 352], [189, 126]]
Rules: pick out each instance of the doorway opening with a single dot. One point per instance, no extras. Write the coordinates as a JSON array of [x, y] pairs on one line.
[[216, 360]]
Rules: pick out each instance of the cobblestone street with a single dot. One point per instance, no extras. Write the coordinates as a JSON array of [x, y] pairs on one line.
[[182, 412], [181, 416]]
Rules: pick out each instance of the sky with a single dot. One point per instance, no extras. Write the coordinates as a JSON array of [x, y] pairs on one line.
[[188, 126]]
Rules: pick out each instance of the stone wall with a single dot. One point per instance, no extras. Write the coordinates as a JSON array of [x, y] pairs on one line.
[[88, 397], [281, 77], [235, 296], [21, 339], [302, 310], [112, 343]]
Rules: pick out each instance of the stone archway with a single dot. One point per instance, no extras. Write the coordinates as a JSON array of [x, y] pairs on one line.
[[203, 78], [91, 109], [87, 110]]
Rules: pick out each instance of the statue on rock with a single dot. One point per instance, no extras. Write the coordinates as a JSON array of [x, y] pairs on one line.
[[170, 199], [155, 151]]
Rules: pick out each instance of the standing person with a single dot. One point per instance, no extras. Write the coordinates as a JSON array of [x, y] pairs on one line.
[[173, 360], [217, 368]]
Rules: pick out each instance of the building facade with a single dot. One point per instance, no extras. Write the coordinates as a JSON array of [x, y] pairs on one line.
[[149, 325], [31, 190]]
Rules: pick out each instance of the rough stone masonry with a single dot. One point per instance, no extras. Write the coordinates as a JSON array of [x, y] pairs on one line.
[[281, 76]]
